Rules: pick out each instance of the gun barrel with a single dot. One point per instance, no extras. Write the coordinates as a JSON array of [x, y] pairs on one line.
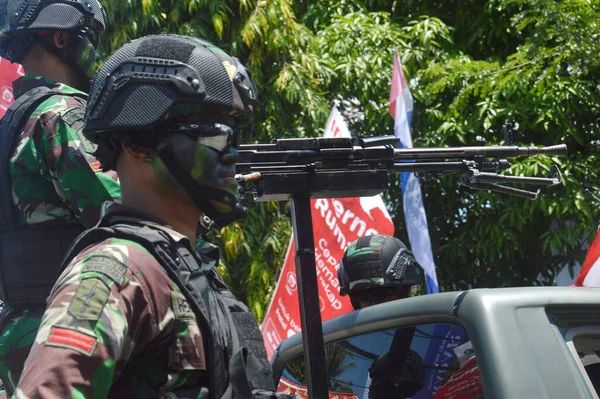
[[471, 152]]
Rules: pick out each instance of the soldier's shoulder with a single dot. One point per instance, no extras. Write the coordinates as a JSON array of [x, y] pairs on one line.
[[119, 256], [64, 103], [125, 251], [60, 105]]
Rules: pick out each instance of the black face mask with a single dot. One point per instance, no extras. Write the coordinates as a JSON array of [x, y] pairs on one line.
[[83, 58], [80, 55], [201, 157]]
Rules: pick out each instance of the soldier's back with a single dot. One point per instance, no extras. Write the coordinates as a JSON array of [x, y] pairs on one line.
[[56, 190]]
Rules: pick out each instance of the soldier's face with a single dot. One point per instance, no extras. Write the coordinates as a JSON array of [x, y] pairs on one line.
[[208, 155]]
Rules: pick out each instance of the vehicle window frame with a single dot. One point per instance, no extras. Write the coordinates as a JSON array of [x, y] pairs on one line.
[[569, 337], [435, 321], [279, 361]]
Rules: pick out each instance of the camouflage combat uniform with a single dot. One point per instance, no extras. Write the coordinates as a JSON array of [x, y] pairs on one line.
[[117, 326], [55, 182]]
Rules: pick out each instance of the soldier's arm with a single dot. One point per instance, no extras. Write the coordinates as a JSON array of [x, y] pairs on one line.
[[98, 314], [75, 173]]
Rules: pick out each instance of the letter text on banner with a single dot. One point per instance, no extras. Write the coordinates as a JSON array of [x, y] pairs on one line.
[[336, 223], [8, 73]]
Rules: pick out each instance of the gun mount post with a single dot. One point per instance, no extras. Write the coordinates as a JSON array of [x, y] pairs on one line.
[[308, 295]]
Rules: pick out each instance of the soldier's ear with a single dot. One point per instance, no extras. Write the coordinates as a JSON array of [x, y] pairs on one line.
[[141, 153], [60, 39]]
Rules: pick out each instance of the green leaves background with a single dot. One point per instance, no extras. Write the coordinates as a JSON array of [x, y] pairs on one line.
[[473, 66]]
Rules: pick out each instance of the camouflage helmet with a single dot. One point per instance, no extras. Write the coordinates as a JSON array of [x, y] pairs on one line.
[[377, 260], [156, 78], [21, 21], [149, 86]]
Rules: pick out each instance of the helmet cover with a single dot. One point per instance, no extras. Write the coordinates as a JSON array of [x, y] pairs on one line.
[[182, 76], [377, 260], [22, 20]]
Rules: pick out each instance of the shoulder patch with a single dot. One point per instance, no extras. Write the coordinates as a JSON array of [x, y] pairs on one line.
[[108, 266], [181, 307], [89, 300], [66, 337], [74, 115]]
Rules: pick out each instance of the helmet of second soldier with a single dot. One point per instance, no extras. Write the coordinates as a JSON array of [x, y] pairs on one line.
[[25, 23], [164, 92], [376, 269]]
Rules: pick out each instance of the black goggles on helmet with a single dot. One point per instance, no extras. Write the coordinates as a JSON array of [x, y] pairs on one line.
[[91, 28], [92, 36], [217, 136]]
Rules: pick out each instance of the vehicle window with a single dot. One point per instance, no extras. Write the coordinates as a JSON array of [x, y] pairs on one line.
[[430, 361], [581, 332], [584, 343]]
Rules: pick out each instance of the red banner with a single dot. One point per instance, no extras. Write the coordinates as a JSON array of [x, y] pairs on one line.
[[336, 223], [464, 384], [8, 73], [297, 391]]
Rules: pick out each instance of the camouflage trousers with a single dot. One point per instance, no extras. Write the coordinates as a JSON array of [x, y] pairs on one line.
[[16, 339]]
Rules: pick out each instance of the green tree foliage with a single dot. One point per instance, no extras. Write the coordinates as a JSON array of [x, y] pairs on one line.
[[549, 86], [473, 66]]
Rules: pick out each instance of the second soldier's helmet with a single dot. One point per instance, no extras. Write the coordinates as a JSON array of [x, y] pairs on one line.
[[23, 22], [374, 261]]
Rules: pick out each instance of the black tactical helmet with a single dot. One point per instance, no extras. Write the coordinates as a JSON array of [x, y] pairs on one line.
[[21, 22], [149, 84], [374, 261], [156, 78]]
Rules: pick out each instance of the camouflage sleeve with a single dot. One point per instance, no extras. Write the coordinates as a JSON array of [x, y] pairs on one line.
[[75, 173], [114, 321], [97, 315]]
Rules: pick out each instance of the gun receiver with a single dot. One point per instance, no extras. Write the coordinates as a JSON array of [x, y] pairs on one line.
[[348, 167]]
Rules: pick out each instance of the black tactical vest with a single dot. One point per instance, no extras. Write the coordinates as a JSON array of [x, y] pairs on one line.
[[29, 258], [236, 356]]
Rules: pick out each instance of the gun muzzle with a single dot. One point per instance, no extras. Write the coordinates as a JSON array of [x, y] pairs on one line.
[[559, 149]]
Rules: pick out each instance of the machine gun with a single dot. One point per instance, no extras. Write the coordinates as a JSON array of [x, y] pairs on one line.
[[302, 169], [354, 167]]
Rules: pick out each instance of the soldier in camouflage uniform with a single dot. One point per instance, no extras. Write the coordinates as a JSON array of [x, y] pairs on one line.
[[377, 269], [54, 183], [138, 313]]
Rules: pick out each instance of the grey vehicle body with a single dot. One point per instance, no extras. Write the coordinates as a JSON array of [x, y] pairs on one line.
[[529, 342]]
